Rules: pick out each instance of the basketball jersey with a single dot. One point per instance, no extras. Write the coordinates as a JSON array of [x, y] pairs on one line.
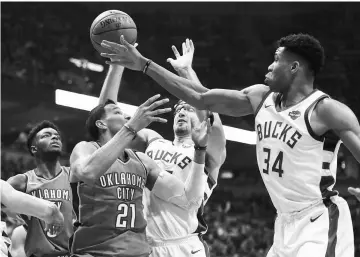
[[167, 220], [110, 215], [57, 190], [297, 166]]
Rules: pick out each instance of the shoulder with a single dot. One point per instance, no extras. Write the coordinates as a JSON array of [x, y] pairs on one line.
[[334, 114], [83, 147], [18, 182]]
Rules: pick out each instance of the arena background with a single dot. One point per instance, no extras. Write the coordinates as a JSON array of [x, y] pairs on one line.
[[234, 44]]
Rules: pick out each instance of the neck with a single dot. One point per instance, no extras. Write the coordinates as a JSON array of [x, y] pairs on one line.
[[178, 140], [48, 169], [106, 137], [298, 90]]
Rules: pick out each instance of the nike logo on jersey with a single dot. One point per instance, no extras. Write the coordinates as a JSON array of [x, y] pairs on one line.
[[193, 252], [313, 219], [266, 106]]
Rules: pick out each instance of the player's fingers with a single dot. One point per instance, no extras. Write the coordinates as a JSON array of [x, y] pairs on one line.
[[158, 103], [160, 111], [113, 46], [208, 126], [183, 45], [111, 56], [176, 52], [170, 60], [124, 42], [149, 101], [136, 45], [192, 47], [47, 227], [187, 44], [158, 119]]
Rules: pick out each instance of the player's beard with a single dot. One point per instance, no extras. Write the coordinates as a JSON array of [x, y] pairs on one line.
[[182, 131]]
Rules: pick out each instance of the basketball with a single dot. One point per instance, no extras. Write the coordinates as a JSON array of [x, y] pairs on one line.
[[110, 25]]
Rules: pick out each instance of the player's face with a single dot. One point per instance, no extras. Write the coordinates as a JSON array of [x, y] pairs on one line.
[[185, 117], [48, 141], [115, 118], [279, 76]]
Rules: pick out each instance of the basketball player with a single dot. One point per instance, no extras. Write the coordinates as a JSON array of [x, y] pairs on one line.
[[171, 230], [111, 178], [50, 181], [291, 121], [18, 202]]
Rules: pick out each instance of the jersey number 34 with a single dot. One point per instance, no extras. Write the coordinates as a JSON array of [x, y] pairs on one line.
[[277, 165]]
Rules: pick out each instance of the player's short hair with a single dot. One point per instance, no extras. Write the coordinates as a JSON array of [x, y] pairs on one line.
[[38, 127], [308, 47], [96, 114]]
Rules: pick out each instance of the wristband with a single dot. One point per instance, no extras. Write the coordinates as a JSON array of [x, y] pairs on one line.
[[147, 66], [200, 148], [130, 129]]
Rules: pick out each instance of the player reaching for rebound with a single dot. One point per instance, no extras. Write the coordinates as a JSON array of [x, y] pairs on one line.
[[292, 119], [21, 203], [172, 230], [49, 181], [111, 178]]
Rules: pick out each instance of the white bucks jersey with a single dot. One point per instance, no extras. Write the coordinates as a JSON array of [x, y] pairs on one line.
[[297, 166], [166, 220]]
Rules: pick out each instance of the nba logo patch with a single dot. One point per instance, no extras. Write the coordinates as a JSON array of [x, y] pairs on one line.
[[294, 114]]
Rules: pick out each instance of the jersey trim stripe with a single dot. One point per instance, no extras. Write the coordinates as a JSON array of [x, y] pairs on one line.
[[211, 181], [262, 102], [333, 226], [152, 140], [325, 182], [307, 118]]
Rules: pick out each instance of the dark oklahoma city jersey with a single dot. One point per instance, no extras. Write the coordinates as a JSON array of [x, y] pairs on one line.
[[110, 219], [57, 190], [297, 166]]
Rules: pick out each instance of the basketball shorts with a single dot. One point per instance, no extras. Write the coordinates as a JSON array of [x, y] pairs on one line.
[[323, 230], [191, 246]]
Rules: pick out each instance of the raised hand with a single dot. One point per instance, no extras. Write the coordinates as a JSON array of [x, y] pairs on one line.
[[146, 113], [113, 61], [200, 134], [183, 61], [355, 192], [124, 54], [54, 222]]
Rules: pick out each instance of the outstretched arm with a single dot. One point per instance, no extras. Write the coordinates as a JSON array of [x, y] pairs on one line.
[[22, 203], [111, 84], [223, 101], [18, 238], [216, 152], [110, 91]]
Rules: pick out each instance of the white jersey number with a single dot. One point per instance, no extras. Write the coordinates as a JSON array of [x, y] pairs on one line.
[[277, 165], [123, 208]]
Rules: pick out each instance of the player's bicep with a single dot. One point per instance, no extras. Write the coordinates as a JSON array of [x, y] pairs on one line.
[[79, 155], [343, 122]]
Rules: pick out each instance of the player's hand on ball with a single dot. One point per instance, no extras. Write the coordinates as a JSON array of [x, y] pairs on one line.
[[183, 61], [124, 54], [200, 134], [147, 113], [114, 62], [355, 192]]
